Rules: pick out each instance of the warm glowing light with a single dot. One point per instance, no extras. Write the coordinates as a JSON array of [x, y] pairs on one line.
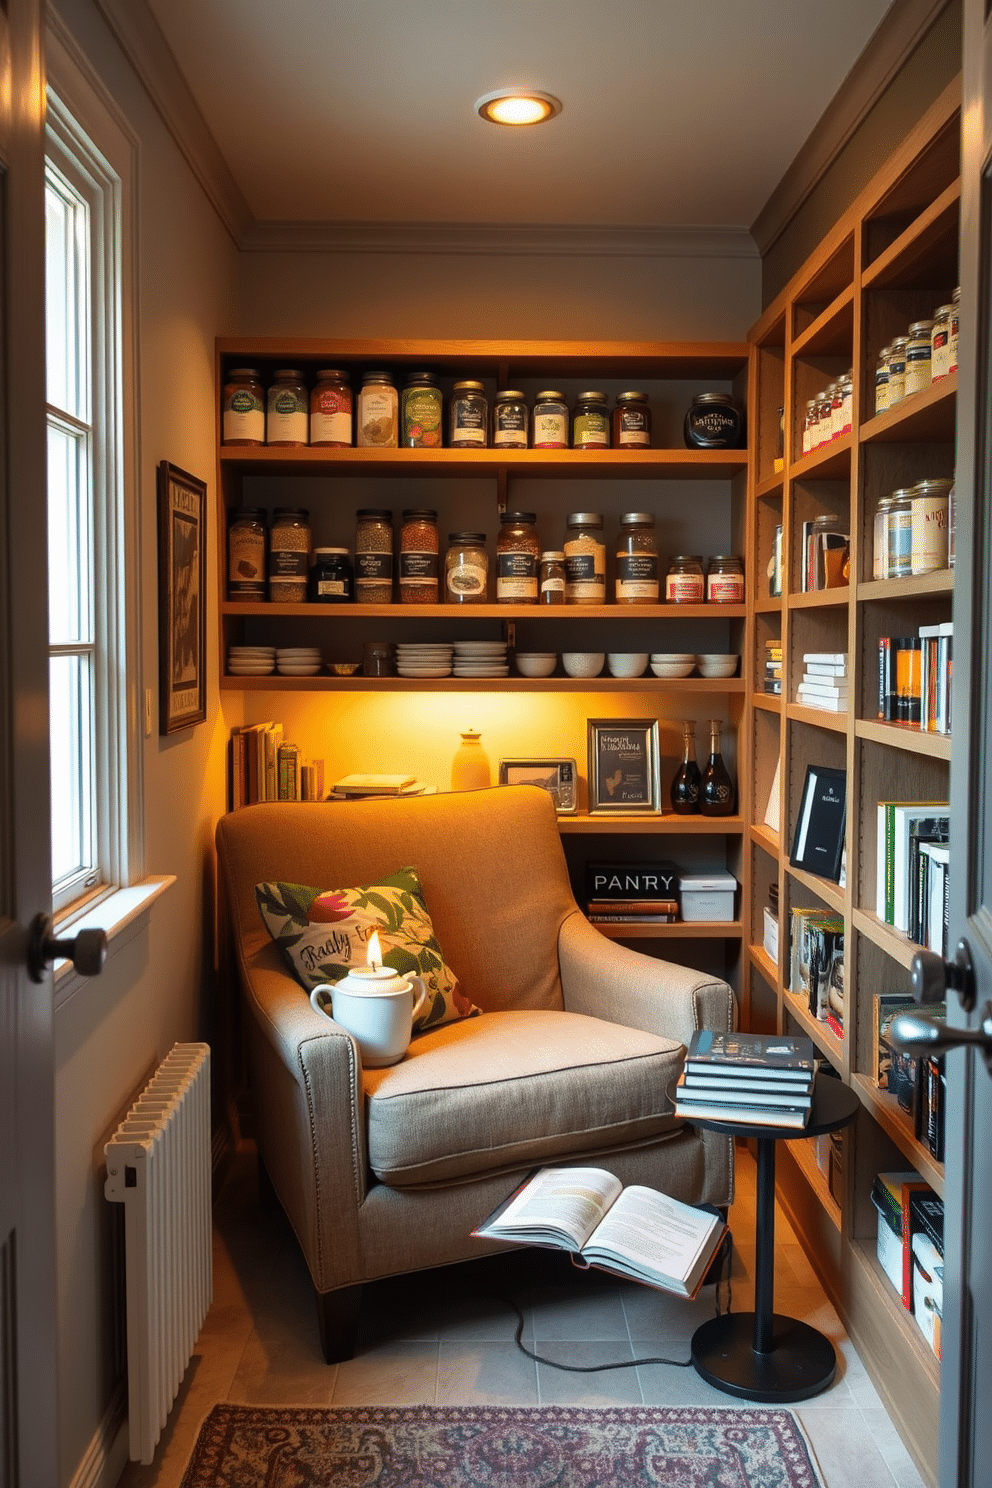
[[373, 953], [516, 106]]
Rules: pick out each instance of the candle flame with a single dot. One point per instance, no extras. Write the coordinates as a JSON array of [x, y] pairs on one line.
[[373, 954]]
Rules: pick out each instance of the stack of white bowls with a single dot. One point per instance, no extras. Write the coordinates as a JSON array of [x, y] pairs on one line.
[[423, 659], [481, 659], [298, 661], [673, 663], [251, 661]]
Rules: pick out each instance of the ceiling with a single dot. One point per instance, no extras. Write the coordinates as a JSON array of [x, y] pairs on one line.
[[677, 113]]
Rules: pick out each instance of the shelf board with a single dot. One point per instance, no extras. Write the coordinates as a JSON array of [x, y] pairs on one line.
[[669, 824], [770, 606], [824, 889], [772, 485], [761, 959], [911, 1348], [907, 736], [918, 586], [770, 701], [766, 838], [922, 418], [681, 930], [832, 332], [818, 717], [888, 939], [693, 686], [930, 244], [820, 599], [895, 1121], [650, 464], [821, 1033], [830, 462], [470, 612], [802, 1155]]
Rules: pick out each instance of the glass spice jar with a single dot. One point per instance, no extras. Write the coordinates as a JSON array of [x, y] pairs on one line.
[[550, 421], [466, 569], [246, 554], [897, 370], [378, 412], [929, 525], [510, 420], [880, 539], [847, 403], [585, 559], [289, 555], [918, 353], [724, 579], [882, 380], [419, 548], [551, 578], [332, 578], [952, 361], [713, 422], [632, 421], [591, 422], [899, 535], [243, 408], [373, 555], [286, 409], [468, 416], [637, 560], [684, 582], [420, 412], [518, 553], [809, 426], [330, 410], [940, 343]]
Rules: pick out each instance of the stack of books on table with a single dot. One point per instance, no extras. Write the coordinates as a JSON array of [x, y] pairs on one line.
[[824, 683], [756, 1078], [368, 787]]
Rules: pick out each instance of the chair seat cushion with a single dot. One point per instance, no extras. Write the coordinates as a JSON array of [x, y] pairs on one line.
[[510, 1089]]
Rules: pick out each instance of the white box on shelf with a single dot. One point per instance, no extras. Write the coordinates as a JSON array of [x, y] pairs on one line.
[[928, 1288], [707, 896], [771, 935], [889, 1251]]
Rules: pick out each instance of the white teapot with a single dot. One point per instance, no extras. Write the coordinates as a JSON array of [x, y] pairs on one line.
[[377, 1006]]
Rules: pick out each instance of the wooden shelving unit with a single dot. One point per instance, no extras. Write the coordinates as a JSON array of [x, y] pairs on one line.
[[891, 259]]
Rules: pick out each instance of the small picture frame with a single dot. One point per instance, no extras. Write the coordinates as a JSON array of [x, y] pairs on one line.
[[818, 841], [624, 767], [559, 777], [182, 590]]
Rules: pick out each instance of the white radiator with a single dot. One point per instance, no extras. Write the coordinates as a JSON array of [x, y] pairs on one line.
[[158, 1167]]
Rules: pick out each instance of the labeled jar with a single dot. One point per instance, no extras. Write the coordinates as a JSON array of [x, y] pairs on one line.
[[378, 412], [940, 343], [246, 554], [550, 421], [809, 426], [713, 422], [632, 421], [330, 410], [899, 535], [289, 555], [551, 578], [591, 422], [243, 408], [332, 578], [882, 380], [724, 579], [420, 412], [897, 370], [419, 547], [518, 554], [585, 559], [373, 555], [510, 420], [930, 517], [466, 568], [684, 582], [880, 539], [952, 362], [847, 403], [918, 353], [837, 410], [286, 408], [468, 416], [637, 560]]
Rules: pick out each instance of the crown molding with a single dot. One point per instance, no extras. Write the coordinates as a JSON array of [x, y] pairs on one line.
[[524, 240], [898, 35]]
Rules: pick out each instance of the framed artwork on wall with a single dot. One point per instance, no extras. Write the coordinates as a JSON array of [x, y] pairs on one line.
[[624, 765], [182, 589]]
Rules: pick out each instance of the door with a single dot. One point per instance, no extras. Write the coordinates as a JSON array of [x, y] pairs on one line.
[[27, 1245], [965, 1419]]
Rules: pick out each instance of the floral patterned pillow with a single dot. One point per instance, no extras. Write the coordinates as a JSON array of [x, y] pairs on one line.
[[323, 933]]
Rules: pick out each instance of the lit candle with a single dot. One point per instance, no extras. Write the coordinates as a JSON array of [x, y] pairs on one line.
[[373, 952], [373, 970]]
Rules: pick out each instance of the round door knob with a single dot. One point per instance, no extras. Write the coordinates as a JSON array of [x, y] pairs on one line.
[[87, 950], [911, 1033], [930, 977]]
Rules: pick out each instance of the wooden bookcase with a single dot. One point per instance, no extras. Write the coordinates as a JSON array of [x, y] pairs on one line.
[[891, 258]]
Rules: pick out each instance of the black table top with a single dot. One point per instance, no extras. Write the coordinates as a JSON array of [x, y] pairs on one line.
[[834, 1105]]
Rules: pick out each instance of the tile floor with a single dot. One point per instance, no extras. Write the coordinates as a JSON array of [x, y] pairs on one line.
[[447, 1336]]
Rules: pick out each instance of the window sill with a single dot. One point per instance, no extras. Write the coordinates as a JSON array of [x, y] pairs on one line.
[[121, 913]]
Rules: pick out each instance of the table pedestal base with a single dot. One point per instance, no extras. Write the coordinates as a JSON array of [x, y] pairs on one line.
[[800, 1363]]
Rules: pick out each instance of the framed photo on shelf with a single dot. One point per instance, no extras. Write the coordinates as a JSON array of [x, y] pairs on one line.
[[557, 776], [818, 841], [182, 589], [624, 773]]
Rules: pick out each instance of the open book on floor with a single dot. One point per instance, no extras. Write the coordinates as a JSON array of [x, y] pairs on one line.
[[635, 1232]]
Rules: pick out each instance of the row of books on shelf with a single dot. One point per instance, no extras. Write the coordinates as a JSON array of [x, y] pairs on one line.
[[747, 1078], [910, 1246], [912, 870], [916, 1082], [264, 766], [816, 964], [772, 683], [914, 678], [824, 681]]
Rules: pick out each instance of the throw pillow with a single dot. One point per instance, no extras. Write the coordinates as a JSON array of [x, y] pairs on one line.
[[324, 932]]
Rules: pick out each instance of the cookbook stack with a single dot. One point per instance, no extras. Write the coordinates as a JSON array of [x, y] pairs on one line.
[[747, 1078]]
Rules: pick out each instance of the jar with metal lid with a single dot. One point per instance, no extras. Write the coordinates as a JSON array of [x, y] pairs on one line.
[[550, 421], [330, 410], [882, 380], [809, 426], [246, 554], [837, 410], [468, 416], [899, 535], [420, 412], [725, 579], [378, 412], [518, 554], [637, 560], [828, 554], [880, 539], [684, 582], [510, 420], [243, 407], [897, 370], [952, 361], [940, 343], [419, 547], [929, 500], [287, 408], [632, 421], [373, 555], [585, 559], [289, 555], [332, 578], [591, 422], [713, 422], [551, 578], [918, 353], [466, 569], [824, 414], [847, 403], [378, 659]]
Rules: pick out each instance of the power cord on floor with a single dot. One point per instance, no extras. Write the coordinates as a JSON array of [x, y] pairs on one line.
[[722, 1262]]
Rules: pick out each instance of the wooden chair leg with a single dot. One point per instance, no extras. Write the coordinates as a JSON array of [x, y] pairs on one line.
[[337, 1319]]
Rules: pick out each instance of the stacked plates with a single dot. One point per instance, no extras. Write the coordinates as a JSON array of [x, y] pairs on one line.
[[298, 661], [481, 659], [251, 661], [423, 659]]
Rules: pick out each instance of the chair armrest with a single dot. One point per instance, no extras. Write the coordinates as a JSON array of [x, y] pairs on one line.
[[607, 980]]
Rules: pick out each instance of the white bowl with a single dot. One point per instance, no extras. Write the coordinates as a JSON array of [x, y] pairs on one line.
[[717, 665], [627, 663], [536, 663], [672, 668], [583, 663], [674, 656]]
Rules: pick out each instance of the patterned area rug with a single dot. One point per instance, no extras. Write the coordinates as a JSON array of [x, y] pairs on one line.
[[498, 1447]]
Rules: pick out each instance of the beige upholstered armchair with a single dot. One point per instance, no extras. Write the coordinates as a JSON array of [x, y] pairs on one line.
[[386, 1171]]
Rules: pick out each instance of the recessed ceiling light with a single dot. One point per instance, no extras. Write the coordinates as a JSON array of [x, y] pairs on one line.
[[517, 106]]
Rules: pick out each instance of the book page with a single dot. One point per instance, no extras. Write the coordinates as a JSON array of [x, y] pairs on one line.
[[566, 1201], [654, 1232]]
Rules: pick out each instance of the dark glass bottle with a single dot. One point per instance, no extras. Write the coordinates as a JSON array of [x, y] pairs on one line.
[[716, 793], [685, 786]]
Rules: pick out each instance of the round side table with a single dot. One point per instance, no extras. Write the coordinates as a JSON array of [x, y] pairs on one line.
[[762, 1355]]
